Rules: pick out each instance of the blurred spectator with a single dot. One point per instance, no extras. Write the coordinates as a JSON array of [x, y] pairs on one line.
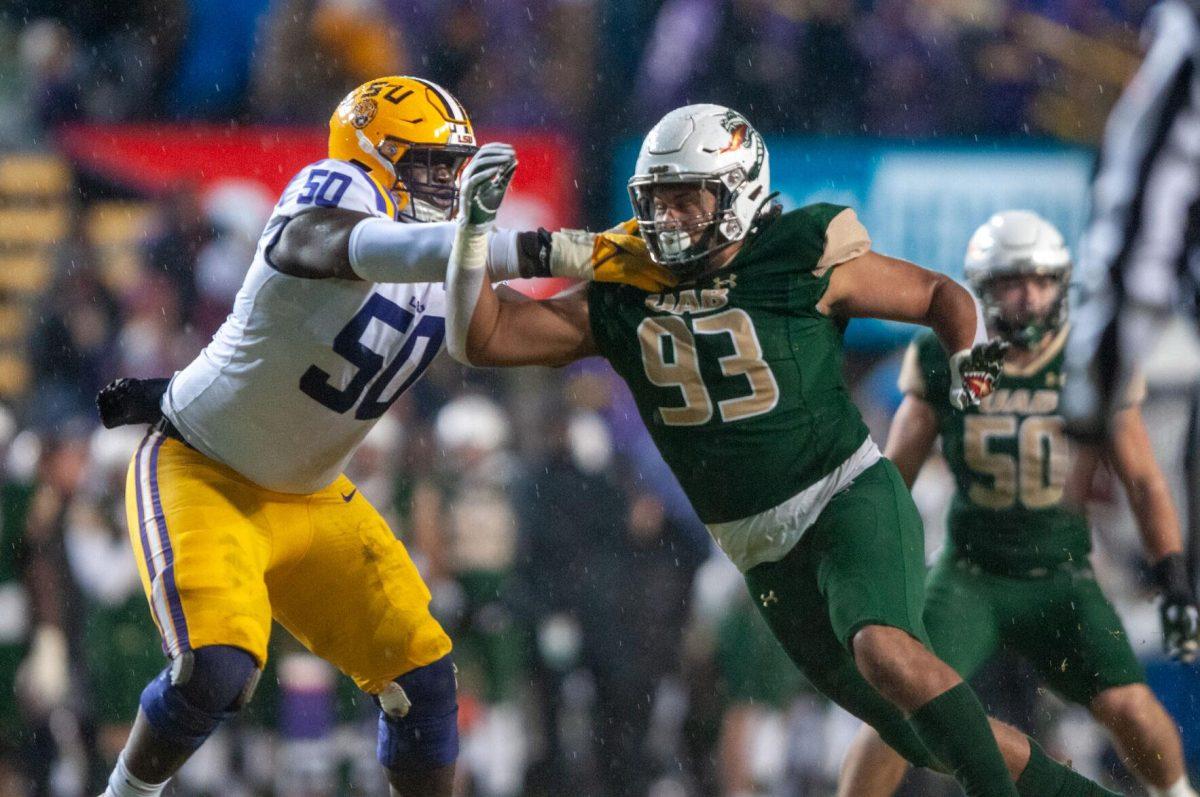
[[47, 676], [315, 51], [71, 351], [237, 210], [18, 455], [213, 69], [54, 72], [913, 87], [464, 522], [568, 561], [626, 642], [641, 649], [120, 644], [182, 230], [154, 340]]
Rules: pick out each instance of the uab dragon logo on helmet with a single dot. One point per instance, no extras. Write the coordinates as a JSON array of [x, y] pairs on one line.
[[713, 148], [412, 137], [1019, 244]]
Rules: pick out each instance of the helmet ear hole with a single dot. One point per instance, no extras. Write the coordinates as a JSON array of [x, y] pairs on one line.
[[734, 178]]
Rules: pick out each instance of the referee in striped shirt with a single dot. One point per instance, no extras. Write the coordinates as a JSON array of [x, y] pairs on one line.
[[1140, 261]]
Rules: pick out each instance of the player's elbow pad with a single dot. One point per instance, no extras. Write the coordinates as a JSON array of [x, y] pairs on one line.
[[382, 250]]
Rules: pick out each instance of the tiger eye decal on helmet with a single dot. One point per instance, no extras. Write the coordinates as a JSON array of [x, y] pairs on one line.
[[363, 112]]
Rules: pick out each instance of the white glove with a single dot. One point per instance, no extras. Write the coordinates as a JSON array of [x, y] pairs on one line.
[[483, 184], [43, 677]]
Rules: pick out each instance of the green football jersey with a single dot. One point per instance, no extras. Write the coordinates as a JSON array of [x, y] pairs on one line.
[[738, 376], [1010, 461]]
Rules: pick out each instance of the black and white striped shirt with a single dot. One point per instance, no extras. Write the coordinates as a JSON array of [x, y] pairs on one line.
[[1140, 259]]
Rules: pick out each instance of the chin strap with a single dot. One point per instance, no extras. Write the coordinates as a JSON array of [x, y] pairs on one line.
[[371, 152]]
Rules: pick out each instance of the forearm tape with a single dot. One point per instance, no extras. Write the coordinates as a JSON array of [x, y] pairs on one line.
[[565, 253], [464, 279]]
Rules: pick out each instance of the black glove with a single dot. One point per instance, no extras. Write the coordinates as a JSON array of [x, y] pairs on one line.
[[974, 372], [128, 401], [1178, 610]]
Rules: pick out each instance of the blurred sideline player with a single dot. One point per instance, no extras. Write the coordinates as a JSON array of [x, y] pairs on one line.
[[1015, 570], [238, 508], [1140, 259], [737, 376]]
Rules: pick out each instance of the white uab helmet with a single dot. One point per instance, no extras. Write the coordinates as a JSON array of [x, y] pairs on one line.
[[1015, 243], [716, 148]]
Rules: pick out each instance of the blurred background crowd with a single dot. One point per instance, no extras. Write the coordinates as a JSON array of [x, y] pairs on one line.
[[604, 649]]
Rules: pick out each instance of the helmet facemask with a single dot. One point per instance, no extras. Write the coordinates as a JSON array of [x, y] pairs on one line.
[[1028, 328], [428, 174], [684, 246]]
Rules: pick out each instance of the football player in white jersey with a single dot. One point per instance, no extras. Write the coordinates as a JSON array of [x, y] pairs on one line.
[[238, 509]]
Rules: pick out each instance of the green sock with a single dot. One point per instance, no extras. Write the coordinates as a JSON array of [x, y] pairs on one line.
[[955, 728], [1045, 777]]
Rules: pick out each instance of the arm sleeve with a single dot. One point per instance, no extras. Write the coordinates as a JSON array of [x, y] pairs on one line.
[[1139, 236]]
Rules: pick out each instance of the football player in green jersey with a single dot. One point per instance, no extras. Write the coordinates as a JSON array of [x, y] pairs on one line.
[[1015, 571], [736, 372]]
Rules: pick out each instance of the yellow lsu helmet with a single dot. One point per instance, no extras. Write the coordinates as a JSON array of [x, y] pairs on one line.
[[412, 137]]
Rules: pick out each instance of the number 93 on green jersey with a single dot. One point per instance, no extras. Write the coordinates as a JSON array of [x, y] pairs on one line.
[[738, 376]]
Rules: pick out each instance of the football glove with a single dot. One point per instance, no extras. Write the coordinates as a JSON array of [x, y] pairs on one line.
[[620, 255], [128, 401], [616, 255], [484, 183], [974, 371], [1178, 611]]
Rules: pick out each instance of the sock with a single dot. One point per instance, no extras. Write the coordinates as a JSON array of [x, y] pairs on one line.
[[955, 728], [122, 784], [1045, 777], [1181, 788]]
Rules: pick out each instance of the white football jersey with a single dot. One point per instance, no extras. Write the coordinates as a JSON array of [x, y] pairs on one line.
[[302, 368]]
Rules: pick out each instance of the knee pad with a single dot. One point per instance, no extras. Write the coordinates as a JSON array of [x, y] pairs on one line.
[[198, 690], [418, 719]]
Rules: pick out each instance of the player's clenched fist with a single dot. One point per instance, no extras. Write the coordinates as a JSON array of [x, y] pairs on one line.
[[973, 373]]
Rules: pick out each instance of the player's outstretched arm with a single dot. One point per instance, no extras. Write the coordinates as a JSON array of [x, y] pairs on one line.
[[876, 286], [481, 329], [1133, 459], [553, 332]]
